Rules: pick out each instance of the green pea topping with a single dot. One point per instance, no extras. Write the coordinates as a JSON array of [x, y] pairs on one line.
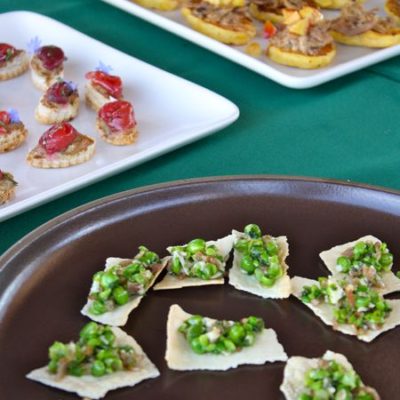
[[332, 381], [95, 353], [367, 261], [220, 337], [197, 259], [119, 283], [259, 256]]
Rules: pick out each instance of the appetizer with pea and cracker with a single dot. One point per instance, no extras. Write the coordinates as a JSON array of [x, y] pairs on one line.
[[259, 265], [330, 377], [349, 305], [102, 359], [197, 263], [119, 289], [196, 342], [367, 259]]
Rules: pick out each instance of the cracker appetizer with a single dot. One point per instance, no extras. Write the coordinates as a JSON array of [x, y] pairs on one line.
[[201, 343], [351, 307], [230, 25], [367, 260], [12, 131], [102, 87], [47, 64], [304, 42], [197, 263], [116, 123], [61, 146], [161, 5], [13, 62], [119, 289], [392, 7], [102, 359], [274, 10], [359, 27], [330, 377], [7, 186], [259, 265], [59, 103], [336, 4]]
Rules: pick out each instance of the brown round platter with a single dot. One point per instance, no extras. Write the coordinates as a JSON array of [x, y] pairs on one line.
[[45, 278]]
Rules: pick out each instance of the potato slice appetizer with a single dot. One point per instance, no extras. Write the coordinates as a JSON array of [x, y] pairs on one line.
[[336, 4], [162, 5], [392, 7]]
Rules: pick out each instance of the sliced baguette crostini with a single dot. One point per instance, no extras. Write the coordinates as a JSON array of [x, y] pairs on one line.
[[61, 146], [13, 62]]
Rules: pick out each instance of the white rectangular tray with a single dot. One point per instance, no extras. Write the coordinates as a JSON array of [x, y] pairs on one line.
[[170, 111], [347, 60]]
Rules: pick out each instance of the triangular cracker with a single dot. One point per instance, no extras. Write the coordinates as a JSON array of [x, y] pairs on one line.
[[118, 316], [91, 387], [325, 312], [179, 355], [224, 245], [249, 283], [297, 367], [329, 257]]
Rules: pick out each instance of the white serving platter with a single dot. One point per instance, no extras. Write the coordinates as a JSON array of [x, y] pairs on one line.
[[170, 111], [347, 60]]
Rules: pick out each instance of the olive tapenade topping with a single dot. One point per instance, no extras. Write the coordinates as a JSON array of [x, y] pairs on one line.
[[220, 337], [95, 353]]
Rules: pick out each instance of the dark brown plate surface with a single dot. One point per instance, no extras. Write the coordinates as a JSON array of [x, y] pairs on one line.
[[44, 279]]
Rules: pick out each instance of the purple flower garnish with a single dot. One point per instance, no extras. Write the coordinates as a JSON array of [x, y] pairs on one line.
[[104, 68], [33, 45], [14, 116], [72, 85]]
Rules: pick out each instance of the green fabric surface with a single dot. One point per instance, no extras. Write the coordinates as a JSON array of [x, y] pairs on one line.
[[346, 129]]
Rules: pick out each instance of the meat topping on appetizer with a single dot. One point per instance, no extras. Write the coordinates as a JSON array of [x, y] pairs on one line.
[[9, 122], [61, 93], [235, 18], [58, 138], [118, 116], [51, 57], [273, 5], [108, 85], [205, 335], [355, 20]]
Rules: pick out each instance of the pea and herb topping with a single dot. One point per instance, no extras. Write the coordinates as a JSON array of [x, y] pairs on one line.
[[95, 353], [220, 337], [197, 259], [332, 381], [260, 256], [117, 285], [366, 260], [357, 305]]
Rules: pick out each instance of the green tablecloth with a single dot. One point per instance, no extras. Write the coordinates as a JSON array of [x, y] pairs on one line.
[[346, 129]]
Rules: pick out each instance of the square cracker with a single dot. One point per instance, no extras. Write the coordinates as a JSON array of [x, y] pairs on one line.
[[95, 388], [179, 355], [249, 283]]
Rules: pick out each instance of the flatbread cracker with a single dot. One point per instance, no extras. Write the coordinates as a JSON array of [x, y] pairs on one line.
[[95, 388], [325, 312], [224, 245], [249, 283], [329, 257], [296, 368], [179, 355], [118, 316]]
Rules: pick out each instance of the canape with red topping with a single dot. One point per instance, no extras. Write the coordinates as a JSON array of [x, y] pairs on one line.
[[61, 146], [47, 64], [59, 103], [116, 123], [102, 87], [357, 26], [12, 131], [7, 186], [13, 62]]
